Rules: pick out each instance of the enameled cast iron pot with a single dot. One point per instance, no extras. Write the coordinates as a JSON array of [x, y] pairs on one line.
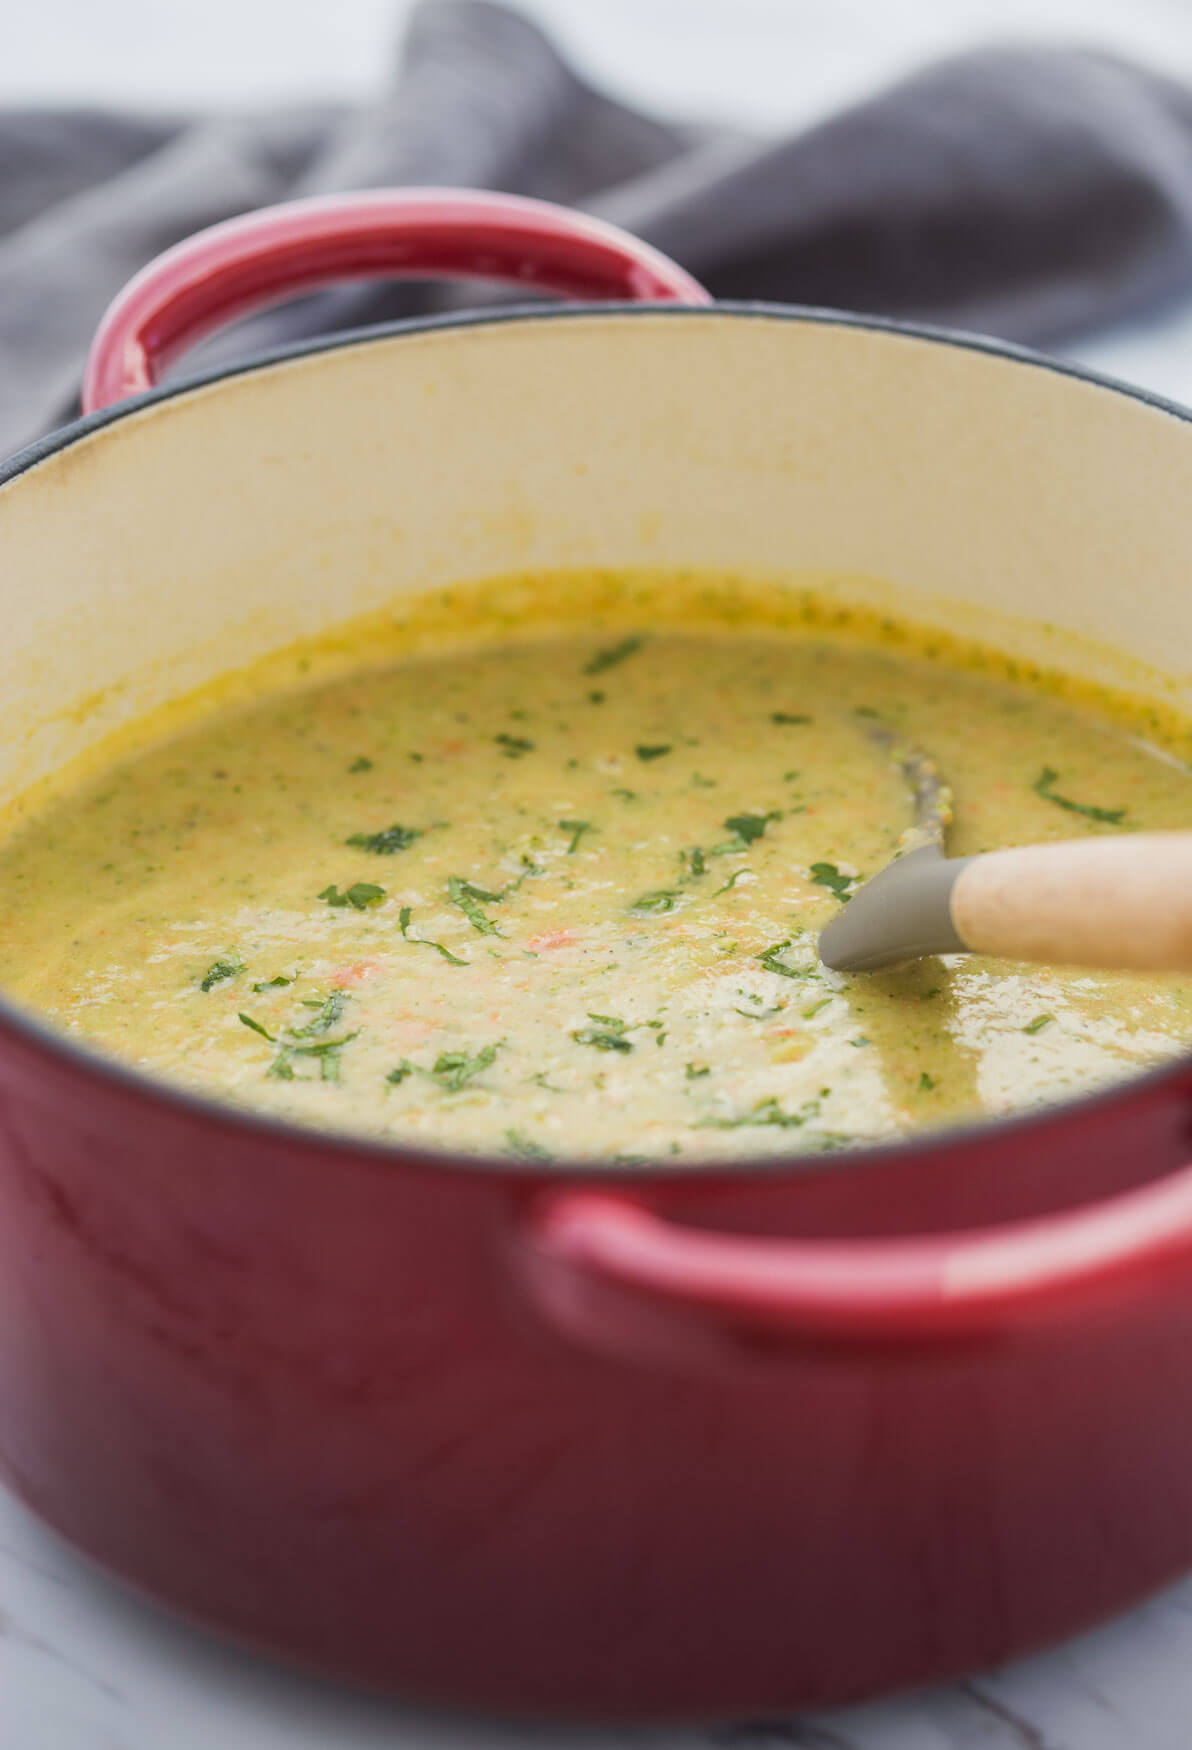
[[529, 1438]]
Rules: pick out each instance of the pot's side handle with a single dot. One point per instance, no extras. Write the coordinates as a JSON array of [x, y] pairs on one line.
[[262, 257], [611, 1271]]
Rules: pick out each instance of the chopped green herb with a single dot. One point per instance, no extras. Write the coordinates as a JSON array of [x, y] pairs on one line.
[[760, 1014], [1038, 1024], [829, 876], [278, 983], [330, 1010], [660, 900], [526, 1147], [513, 746], [865, 711], [693, 1071], [359, 896], [608, 1036], [596, 698], [789, 717], [770, 959], [749, 827], [1043, 787], [702, 783], [861, 1039], [614, 653], [465, 894], [404, 917], [325, 1054], [649, 752], [814, 1010], [768, 1112], [694, 860], [626, 795], [386, 842], [731, 882], [397, 1076], [363, 764], [219, 971], [540, 1081], [257, 1028], [453, 1070], [926, 1082], [577, 829]]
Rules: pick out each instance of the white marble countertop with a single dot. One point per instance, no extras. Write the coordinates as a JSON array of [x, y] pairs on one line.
[[83, 1666]]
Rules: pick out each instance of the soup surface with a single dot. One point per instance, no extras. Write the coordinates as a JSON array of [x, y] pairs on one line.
[[560, 896]]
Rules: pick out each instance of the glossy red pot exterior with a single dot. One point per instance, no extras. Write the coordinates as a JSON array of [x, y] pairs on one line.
[[556, 1441]]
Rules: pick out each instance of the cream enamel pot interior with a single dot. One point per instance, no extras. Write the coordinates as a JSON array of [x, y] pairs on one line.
[[668, 1443]]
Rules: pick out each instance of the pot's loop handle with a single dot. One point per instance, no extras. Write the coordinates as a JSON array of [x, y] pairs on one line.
[[262, 257], [595, 1257]]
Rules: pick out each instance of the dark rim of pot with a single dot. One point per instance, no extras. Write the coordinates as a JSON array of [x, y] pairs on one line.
[[1036, 1127]]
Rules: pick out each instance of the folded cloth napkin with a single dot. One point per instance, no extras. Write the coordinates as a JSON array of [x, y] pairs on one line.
[[1030, 193]]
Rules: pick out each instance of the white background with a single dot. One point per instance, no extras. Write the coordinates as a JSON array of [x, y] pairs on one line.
[[82, 1667]]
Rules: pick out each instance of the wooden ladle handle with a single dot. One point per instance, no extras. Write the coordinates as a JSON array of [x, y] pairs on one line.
[[1123, 902]]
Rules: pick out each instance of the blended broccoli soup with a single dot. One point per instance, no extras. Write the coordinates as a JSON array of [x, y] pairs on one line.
[[557, 893]]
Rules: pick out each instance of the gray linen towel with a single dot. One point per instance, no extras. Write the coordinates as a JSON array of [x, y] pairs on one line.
[[1031, 193]]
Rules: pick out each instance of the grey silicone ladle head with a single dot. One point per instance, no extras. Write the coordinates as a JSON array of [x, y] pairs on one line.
[[903, 913]]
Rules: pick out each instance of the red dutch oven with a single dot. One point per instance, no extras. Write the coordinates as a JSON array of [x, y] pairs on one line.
[[554, 1439]]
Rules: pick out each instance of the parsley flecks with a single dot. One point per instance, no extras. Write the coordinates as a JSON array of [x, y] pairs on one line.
[[809, 1014], [731, 882], [789, 717], [453, 1070], [1042, 786], [257, 1028], [660, 900], [694, 861], [386, 842], [596, 698], [525, 1147], [865, 711], [466, 895], [926, 1082], [577, 829], [359, 896], [363, 764], [611, 655], [768, 1112], [652, 751], [1038, 1024], [278, 983], [221, 970], [747, 827], [625, 795], [693, 1071], [829, 876], [513, 746], [403, 919], [602, 1039], [330, 1009], [771, 959], [326, 1054]]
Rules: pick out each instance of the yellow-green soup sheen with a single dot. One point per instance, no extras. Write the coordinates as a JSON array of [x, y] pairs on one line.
[[560, 898]]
